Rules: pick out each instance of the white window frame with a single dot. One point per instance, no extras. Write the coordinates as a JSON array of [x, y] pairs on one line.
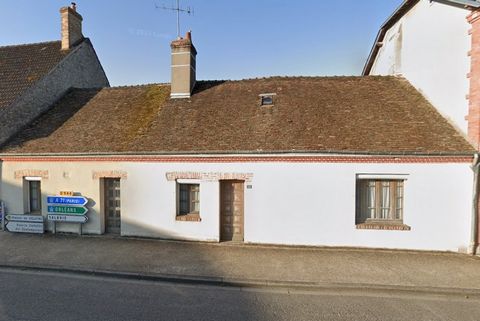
[[187, 182], [361, 217]]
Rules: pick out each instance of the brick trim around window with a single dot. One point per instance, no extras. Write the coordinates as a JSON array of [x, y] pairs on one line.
[[383, 227]]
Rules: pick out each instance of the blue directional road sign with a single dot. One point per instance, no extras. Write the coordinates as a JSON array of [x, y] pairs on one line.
[[67, 200]]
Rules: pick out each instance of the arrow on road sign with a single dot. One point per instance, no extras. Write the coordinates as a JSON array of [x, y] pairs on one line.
[[68, 218], [67, 210], [70, 200]]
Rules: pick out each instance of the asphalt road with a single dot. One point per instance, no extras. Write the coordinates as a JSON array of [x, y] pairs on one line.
[[50, 296]]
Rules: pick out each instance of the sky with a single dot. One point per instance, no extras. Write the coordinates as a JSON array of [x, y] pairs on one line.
[[235, 39]]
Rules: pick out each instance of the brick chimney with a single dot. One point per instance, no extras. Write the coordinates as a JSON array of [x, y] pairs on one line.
[[183, 67], [71, 26]]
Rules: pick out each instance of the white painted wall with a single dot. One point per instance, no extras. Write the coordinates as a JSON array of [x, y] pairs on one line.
[[433, 56], [301, 204]]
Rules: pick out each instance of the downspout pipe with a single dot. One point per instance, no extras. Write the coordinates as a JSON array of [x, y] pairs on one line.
[[474, 233]]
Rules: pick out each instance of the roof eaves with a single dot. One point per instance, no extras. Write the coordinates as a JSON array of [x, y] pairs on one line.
[[259, 153]]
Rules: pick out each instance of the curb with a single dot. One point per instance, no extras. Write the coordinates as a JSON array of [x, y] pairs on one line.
[[279, 246], [243, 283]]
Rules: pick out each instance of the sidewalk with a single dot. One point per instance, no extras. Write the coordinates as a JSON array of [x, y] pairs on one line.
[[243, 265]]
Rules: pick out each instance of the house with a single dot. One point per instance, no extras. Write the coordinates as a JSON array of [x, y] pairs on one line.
[[435, 46], [332, 161], [35, 76]]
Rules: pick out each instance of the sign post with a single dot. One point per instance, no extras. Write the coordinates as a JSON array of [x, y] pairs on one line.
[[2, 212]]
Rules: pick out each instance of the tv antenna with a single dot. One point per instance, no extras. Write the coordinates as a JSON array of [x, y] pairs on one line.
[[179, 10]]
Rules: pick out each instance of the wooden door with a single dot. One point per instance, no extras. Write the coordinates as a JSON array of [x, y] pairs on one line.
[[112, 206], [231, 211]]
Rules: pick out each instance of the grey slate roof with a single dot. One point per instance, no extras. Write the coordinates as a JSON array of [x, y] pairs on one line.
[[23, 65]]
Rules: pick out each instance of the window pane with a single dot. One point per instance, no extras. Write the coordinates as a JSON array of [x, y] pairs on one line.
[[399, 201], [35, 196], [184, 199], [189, 198], [371, 197], [385, 205], [195, 207], [380, 200], [195, 198]]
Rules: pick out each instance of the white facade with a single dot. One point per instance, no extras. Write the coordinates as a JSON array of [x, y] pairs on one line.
[[429, 46], [308, 203]]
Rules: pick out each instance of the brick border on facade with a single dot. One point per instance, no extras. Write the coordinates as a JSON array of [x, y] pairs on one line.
[[20, 174], [109, 174], [250, 159], [210, 177], [383, 227]]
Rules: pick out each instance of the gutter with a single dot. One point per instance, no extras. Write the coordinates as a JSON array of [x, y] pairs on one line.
[[246, 152], [474, 238]]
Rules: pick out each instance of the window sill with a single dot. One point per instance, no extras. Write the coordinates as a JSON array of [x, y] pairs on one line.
[[188, 218], [383, 226]]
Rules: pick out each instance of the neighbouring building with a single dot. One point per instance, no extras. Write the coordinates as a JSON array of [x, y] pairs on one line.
[[332, 161], [435, 45], [35, 76]]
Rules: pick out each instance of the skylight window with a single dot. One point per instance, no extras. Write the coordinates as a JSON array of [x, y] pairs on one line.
[[267, 99]]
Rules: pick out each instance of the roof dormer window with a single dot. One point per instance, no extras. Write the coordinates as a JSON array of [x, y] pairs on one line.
[[267, 99]]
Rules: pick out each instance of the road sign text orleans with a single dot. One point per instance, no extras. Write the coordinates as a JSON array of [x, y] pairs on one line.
[[71, 210]]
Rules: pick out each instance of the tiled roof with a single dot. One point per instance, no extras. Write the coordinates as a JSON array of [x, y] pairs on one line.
[[23, 65], [381, 115]]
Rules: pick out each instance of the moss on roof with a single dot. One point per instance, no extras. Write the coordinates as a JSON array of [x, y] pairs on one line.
[[381, 115]]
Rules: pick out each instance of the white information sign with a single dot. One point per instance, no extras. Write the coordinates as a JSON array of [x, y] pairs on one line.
[[67, 218], [25, 218], [25, 227]]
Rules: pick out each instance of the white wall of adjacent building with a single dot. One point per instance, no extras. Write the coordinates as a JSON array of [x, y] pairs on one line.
[[429, 47], [286, 203]]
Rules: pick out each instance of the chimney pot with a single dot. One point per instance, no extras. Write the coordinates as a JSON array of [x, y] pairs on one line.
[[74, 6]]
